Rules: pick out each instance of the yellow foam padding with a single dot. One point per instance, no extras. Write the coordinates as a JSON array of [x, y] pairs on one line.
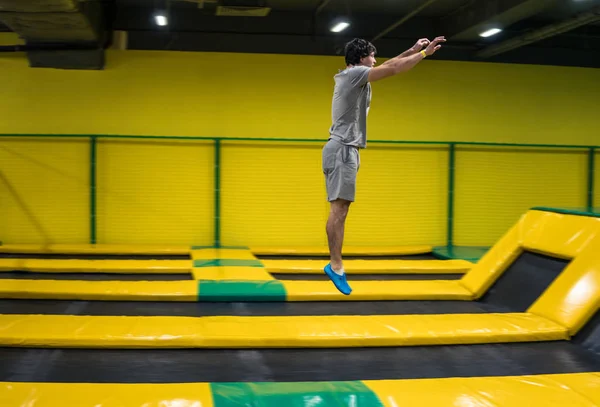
[[574, 297], [486, 271], [231, 273], [377, 290], [346, 250], [100, 290], [94, 249], [106, 395], [258, 332], [97, 266], [553, 234], [552, 390], [558, 235], [209, 254], [371, 266]]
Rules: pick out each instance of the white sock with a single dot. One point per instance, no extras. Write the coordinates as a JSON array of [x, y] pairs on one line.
[[339, 272]]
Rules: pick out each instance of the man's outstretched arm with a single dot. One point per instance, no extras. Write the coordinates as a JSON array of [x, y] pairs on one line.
[[401, 64]]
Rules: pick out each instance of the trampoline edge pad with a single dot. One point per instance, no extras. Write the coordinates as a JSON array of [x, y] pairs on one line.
[[574, 297], [64, 331], [185, 290], [573, 389]]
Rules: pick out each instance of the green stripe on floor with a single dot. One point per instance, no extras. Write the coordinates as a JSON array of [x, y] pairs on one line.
[[219, 247], [226, 290], [313, 394], [227, 262]]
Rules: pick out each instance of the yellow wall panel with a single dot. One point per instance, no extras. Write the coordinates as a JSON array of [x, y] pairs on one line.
[[272, 194], [401, 197], [44, 190], [494, 187], [155, 192], [206, 94]]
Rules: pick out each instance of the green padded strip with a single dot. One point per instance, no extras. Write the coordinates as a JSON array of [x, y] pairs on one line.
[[299, 394], [241, 290], [469, 253], [227, 262], [595, 213]]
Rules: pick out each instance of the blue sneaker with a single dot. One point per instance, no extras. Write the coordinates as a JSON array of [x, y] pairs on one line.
[[339, 281]]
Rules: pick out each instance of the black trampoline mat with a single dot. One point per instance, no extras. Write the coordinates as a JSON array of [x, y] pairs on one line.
[[199, 309], [524, 281], [368, 277], [27, 275], [95, 256], [281, 365]]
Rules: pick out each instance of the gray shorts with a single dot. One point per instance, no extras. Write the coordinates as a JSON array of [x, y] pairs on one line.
[[340, 166]]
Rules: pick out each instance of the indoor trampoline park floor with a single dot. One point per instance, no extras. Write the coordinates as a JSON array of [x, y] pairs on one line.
[[108, 326]]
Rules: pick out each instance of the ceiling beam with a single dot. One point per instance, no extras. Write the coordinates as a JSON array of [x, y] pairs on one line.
[[403, 20], [467, 22], [321, 6], [542, 33]]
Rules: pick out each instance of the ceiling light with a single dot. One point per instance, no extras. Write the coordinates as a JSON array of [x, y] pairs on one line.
[[340, 27], [160, 19], [490, 32]]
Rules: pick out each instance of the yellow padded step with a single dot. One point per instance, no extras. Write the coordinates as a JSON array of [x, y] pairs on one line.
[[19, 394], [182, 290], [371, 266], [100, 290], [552, 390], [574, 297], [97, 266], [558, 235], [377, 290], [209, 254], [347, 250], [231, 273], [95, 249], [260, 332]]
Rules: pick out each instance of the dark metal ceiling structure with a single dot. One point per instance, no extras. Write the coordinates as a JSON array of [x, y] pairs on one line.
[[75, 33]]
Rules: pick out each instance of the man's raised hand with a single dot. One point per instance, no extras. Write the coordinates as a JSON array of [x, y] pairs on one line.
[[434, 45]]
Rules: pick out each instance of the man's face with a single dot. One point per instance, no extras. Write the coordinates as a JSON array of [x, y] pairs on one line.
[[368, 61]]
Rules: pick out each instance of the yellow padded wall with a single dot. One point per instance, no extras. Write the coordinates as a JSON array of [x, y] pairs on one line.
[[272, 194], [256, 95], [401, 197], [155, 192], [44, 190], [495, 186]]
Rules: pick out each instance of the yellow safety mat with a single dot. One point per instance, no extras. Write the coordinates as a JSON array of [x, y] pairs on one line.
[[287, 331], [100, 290], [94, 249], [377, 290], [347, 250], [231, 273], [371, 266], [97, 266], [552, 390]]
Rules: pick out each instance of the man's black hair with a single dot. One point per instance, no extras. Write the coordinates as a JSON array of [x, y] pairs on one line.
[[357, 49]]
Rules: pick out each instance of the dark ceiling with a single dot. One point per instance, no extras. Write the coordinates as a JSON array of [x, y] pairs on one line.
[[554, 32]]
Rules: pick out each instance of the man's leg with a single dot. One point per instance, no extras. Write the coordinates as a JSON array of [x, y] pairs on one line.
[[335, 232]]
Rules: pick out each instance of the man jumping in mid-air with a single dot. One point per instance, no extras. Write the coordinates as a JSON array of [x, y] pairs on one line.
[[348, 134]]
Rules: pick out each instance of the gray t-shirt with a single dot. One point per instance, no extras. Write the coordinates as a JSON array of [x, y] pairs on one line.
[[350, 106]]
